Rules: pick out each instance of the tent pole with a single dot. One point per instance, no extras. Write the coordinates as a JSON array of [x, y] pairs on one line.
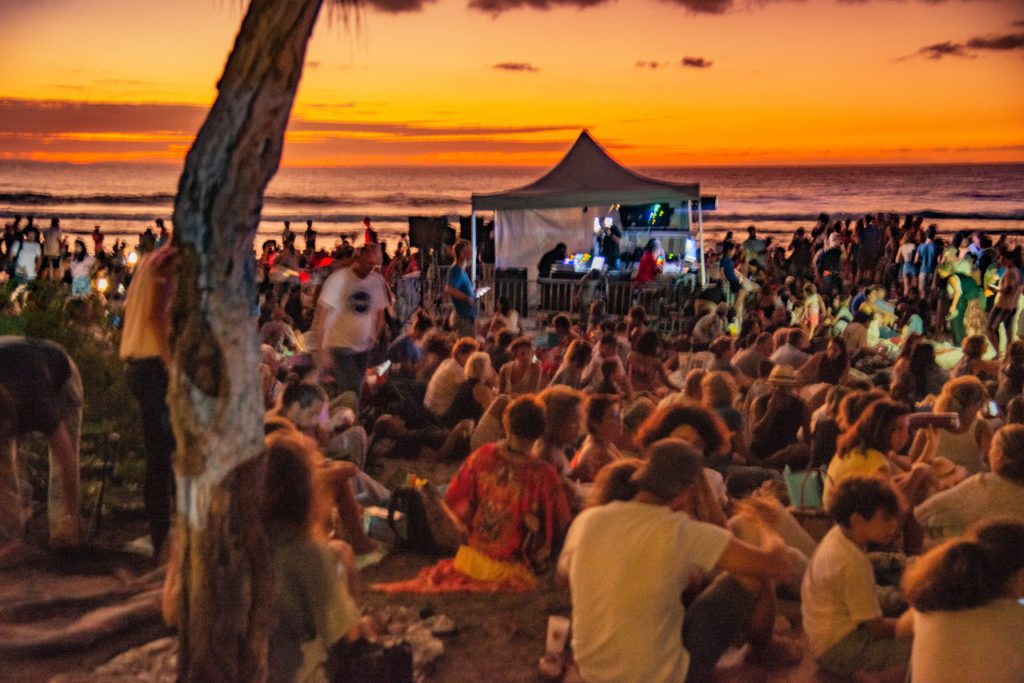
[[700, 228], [473, 267]]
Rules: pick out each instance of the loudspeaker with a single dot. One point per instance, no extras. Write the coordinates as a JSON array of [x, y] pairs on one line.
[[429, 231]]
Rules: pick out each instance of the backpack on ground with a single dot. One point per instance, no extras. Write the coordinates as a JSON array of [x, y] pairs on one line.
[[425, 524]]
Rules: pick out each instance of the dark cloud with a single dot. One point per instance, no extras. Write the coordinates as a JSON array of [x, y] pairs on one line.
[[695, 62], [1010, 41], [45, 119], [43, 116], [703, 6], [1019, 22], [499, 6], [396, 6], [641, 64], [968, 50], [515, 66], [946, 49]]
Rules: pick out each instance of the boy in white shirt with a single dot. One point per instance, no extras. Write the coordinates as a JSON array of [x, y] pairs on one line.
[[841, 613]]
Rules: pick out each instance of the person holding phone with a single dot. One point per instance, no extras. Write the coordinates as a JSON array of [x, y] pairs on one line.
[[460, 290]]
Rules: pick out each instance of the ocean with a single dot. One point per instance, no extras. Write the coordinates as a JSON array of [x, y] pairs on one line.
[[124, 199]]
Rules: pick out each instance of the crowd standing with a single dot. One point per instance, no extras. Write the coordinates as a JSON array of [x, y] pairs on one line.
[[868, 375]]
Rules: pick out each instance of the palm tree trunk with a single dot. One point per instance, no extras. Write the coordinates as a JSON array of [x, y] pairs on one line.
[[215, 395]]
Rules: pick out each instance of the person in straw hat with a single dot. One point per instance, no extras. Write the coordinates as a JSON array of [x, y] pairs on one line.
[[626, 629], [778, 419]]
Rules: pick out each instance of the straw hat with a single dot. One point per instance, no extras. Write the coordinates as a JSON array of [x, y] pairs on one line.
[[673, 465], [783, 376]]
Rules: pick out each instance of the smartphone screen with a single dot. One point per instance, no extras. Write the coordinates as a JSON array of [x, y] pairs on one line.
[[993, 409]]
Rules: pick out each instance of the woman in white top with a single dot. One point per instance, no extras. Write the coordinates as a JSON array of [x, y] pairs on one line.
[[968, 446], [967, 617], [81, 269], [987, 494], [508, 314]]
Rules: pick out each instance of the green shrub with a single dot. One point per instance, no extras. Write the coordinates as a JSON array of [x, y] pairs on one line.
[[83, 328]]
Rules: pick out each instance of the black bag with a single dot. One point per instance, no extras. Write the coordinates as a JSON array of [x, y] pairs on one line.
[[429, 527], [362, 661]]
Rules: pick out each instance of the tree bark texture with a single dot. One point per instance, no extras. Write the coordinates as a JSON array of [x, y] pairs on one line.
[[215, 396]]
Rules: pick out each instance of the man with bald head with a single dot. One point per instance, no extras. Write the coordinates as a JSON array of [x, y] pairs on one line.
[[348, 319]]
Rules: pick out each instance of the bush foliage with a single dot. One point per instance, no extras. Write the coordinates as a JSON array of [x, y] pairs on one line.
[[83, 327]]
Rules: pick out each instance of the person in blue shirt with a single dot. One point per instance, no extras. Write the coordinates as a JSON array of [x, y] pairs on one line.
[[728, 268], [460, 290], [927, 260]]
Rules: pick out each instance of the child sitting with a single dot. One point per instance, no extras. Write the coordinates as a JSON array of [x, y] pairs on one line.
[[841, 612]]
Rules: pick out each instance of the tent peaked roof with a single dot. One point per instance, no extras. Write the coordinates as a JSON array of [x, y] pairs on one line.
[[587, 175]]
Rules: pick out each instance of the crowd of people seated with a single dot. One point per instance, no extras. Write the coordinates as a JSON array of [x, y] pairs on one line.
[[650, 471], [589, 443]]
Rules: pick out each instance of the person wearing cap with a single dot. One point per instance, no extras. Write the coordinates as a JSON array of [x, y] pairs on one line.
[[777, 418], [628, 562]]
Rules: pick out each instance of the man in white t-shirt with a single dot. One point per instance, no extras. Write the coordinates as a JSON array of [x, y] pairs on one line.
[[628, 562], [348, 319], [841, 614], [28, 255]]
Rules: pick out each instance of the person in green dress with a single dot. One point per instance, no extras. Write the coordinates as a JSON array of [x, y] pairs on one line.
[[964, 286]]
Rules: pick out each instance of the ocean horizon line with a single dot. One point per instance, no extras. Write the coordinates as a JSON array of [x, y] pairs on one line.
[[541, 167]]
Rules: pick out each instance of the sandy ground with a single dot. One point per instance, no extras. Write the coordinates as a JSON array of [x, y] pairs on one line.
[[499, 637]]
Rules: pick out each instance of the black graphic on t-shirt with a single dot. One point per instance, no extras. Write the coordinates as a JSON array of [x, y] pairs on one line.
[[359, 302]]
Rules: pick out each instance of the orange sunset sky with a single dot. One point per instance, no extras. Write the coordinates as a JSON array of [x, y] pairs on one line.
[[659, 82]]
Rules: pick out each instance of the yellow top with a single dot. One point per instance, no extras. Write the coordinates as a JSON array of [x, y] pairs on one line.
[[853, 464], [147, 309]]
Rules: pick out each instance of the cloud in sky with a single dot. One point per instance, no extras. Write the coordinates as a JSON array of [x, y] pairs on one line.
[[396, 6], [945, 49], [695, 62], [695, 6], [65, 130], [515, 66], [969, 49], [642, 64], [1009, 41], [499, 6]]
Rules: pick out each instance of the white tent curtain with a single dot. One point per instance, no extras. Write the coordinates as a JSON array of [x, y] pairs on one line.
[[523, 236]]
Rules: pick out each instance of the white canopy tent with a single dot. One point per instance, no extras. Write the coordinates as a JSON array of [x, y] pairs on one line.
[[530, 220]]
